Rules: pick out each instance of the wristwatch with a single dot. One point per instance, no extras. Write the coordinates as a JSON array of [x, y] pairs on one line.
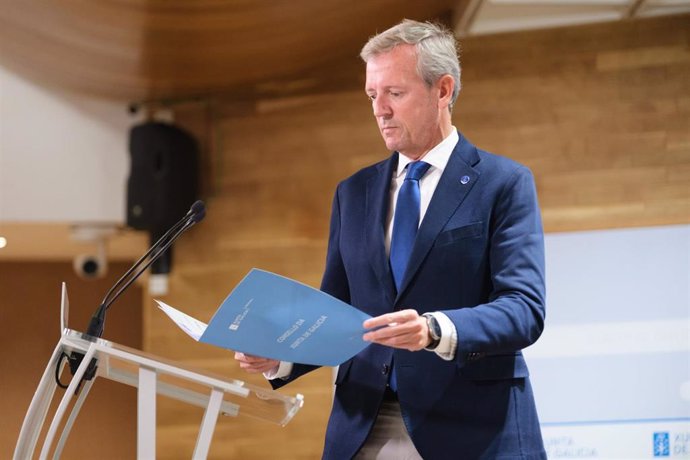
[[434, 331]]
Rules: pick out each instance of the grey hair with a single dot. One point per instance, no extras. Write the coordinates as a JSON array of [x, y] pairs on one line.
[[437, 50]]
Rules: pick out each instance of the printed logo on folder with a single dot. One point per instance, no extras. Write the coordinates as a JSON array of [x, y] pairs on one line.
[[275, 317]]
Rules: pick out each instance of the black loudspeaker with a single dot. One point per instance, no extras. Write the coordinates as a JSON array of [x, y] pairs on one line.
[[163, 182], [163, 179]]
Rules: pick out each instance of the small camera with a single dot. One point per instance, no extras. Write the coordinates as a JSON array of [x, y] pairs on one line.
[[89, 266], [94, 264]]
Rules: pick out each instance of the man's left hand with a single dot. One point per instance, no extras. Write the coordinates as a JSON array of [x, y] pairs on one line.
[[404, 329], [256, 364]]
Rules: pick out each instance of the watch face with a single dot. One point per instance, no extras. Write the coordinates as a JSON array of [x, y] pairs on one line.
[[434, 327]]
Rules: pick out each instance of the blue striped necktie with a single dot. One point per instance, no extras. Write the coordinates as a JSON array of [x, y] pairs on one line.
[[405, 225]]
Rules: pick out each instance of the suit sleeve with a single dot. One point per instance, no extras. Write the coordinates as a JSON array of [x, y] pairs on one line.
[[513, 317], [334, 280]]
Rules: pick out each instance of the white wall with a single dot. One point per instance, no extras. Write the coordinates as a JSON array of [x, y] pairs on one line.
[[63, 157]]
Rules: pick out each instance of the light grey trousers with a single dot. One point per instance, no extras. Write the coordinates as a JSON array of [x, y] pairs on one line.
[[389, 439]]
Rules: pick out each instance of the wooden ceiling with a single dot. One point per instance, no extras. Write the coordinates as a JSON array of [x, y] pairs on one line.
[[158, 50], [177, 50]]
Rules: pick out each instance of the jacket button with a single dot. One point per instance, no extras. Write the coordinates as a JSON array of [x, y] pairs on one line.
[[384, 369]]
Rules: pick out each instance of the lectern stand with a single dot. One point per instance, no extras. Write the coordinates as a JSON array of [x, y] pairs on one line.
[[151, 376]]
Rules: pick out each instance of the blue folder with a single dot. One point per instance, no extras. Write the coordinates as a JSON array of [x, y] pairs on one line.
[[275, 317]]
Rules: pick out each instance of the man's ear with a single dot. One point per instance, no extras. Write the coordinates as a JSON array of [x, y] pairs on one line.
[[445, 85]]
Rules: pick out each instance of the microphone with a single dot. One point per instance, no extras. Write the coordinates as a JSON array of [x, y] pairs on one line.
[[196, 214]]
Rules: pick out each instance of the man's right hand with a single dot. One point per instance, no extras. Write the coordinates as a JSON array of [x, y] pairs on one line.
[[256, 364]]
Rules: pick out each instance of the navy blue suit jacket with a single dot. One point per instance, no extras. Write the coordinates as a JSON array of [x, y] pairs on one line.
[[479, 258]]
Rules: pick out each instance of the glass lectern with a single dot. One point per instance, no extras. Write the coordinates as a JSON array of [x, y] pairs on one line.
[[151, 375]]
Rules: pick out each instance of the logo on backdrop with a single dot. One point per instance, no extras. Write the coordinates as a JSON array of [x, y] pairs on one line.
[[662, 444]]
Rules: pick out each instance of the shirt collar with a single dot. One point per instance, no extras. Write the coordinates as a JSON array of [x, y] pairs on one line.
[[437, 157]]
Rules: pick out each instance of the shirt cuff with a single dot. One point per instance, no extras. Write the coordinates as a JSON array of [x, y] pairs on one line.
[[449, 337], [283, 371]]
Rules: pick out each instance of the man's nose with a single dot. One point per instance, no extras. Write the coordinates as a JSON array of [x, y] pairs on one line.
[[381, 108]]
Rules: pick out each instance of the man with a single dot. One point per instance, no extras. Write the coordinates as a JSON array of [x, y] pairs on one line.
[[453, 306]]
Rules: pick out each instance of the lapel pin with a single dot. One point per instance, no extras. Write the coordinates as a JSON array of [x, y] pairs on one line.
[[464, 179]]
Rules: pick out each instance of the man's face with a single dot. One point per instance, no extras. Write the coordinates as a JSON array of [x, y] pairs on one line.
[[406, 109]]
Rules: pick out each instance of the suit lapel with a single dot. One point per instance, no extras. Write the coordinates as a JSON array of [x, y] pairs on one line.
[[457, 180], [377, 199]]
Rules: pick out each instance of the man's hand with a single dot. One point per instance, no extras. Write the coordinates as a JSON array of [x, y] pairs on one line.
[[401, 329], [256, 364]]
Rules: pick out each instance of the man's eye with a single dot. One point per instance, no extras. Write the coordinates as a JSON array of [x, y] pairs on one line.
[[371, 96]]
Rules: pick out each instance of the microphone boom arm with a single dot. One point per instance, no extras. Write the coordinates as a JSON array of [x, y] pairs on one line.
[[95, 328]]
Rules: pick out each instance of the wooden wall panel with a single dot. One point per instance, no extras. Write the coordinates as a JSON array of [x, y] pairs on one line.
[[30, 315], [600, 113], [276, 172]]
